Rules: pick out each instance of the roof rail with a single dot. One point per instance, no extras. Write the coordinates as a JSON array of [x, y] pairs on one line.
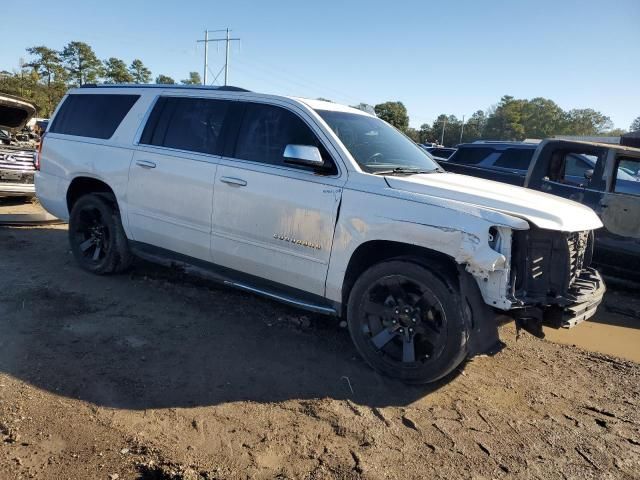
[[226, 88]]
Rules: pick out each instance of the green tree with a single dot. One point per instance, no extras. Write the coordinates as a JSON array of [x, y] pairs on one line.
[[394, 113], [450, 126], [413, 134], [164, 79], [635, 125], [47, 64], [194, 79], [139, 72], [616, 132], [505, 121], [541, 118], [81, 63], [586, 121], [425, 134], [474, 127], [115, 71]]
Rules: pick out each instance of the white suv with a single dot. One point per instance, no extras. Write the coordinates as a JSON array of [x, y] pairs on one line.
[[318, 205]]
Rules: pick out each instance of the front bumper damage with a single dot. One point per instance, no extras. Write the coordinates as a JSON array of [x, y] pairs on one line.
[[552, 282], [577, 305]]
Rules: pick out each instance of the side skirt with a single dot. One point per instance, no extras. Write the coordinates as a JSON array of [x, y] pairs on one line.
[[233, 278]]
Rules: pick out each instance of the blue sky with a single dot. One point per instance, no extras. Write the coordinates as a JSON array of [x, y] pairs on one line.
[[452, 57]]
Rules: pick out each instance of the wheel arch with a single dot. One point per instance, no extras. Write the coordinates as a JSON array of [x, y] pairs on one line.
[[83, 185], [373, 252]]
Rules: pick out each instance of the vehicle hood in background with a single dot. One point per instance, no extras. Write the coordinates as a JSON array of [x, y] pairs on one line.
[[14, 112], [542, 209]]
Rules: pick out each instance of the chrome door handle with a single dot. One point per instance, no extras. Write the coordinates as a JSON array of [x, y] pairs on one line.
[[145, 164], [234, 181]]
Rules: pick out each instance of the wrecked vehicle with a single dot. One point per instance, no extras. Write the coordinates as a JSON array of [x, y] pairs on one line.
[[604, 177], [17, 150], [318, 205]]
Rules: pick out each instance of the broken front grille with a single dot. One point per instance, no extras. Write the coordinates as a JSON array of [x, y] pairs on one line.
[[546, 263], [577, 243]]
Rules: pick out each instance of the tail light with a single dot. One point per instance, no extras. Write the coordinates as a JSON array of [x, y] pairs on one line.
[[39, 152]]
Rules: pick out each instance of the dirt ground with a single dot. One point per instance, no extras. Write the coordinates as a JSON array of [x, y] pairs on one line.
[[154, 375]]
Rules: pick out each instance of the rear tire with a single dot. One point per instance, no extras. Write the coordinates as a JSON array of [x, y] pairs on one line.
[[96, 235], [406, 322]]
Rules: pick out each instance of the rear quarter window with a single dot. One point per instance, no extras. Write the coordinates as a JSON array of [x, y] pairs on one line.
[[92, 115], [515, 159], [470, 156]]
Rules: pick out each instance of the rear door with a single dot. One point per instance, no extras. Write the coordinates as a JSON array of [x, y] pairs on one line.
[[171, 177], [273, 220]]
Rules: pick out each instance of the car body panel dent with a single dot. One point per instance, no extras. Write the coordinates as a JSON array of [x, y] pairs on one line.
[[462, 236]]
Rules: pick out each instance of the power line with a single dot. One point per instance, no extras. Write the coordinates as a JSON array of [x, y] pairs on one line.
[[227, 41]]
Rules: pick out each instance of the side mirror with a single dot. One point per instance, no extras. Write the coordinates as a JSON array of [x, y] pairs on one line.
[[588, 174], [306, 155]]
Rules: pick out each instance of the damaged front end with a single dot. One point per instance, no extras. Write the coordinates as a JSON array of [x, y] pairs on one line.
[[17, 151], [551, 279]]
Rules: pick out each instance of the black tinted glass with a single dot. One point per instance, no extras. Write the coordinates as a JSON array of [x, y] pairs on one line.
[[515, 158], [193, 124], [92, 115], [470, 156], [266, 130]]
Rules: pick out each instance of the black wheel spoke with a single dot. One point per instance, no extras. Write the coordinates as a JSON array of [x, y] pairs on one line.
[[96, 253], [427, 299], [373, 308], [408, 350], [383, 337]]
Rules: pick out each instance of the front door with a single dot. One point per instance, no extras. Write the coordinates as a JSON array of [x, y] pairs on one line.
[[270, 219], [619, 210]]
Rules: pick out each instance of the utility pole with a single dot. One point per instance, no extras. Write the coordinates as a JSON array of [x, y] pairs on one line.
[[206, 41], [462, 129], [444, 124]]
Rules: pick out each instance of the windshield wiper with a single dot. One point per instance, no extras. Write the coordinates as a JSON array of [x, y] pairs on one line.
[[403, 171]]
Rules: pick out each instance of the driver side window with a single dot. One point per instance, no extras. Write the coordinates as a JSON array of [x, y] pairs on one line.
[[574, 168], [265, 132]]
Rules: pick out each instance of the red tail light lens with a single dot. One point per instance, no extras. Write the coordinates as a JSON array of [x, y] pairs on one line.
[[39, 152]]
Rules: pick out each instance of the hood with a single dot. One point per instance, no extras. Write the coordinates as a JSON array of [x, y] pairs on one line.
[[15, 112], [542, 209]]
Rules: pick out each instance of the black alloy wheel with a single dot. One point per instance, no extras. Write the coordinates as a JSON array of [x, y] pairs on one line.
[[96, 235], [407, 322]]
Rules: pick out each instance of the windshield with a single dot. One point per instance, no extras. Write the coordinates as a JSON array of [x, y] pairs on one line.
[[377, 146]]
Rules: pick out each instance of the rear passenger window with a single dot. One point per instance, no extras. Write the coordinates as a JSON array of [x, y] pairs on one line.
[[92, 115], [265, 132], [515, 158], [470, 156], [193, 124]]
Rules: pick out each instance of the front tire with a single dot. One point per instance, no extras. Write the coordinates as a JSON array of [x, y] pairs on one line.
[[406, 322], [96, 235]]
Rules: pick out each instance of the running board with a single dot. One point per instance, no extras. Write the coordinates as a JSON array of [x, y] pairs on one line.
[[230, 278], [284, 299]]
